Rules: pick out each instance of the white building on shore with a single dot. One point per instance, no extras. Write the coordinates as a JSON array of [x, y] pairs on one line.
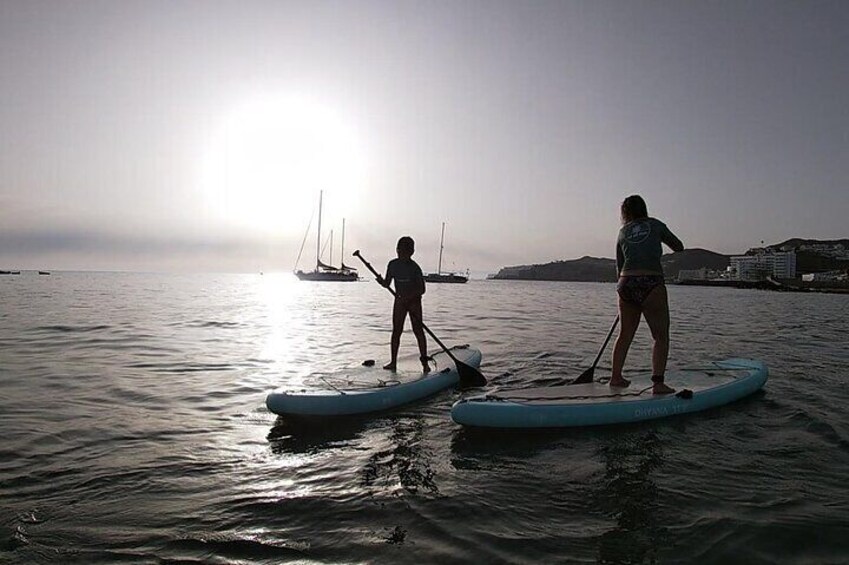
[[837, 275], [764, 263]]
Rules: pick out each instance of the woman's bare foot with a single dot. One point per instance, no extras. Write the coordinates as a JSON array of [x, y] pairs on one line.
[[390, 367], [425, 368], [619, 383], [661, 388]]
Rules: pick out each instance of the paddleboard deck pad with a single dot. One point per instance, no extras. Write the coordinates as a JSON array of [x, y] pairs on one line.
[[370, 387], [712, 384]]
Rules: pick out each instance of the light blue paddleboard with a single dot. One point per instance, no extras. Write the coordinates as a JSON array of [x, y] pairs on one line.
[[361, 390], [712, 384]]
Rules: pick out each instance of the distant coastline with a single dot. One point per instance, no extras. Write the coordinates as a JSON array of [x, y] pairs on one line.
[[602, 269], [813, 256]]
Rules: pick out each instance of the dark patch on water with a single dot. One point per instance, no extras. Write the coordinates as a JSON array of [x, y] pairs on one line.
[[15, 541], [73, 329], [407, 460], [397, 536]]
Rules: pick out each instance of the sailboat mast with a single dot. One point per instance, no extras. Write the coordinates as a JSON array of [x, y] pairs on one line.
[[342, 265], [318, 235], [331, 248], [441, 240]]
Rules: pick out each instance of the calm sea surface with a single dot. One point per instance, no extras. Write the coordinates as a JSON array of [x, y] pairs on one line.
[[134, 429]]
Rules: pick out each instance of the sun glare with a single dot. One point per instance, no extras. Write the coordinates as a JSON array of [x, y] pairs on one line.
[[264, 167]]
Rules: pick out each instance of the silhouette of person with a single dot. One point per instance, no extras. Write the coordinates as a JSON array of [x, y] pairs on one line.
[[409, 288]]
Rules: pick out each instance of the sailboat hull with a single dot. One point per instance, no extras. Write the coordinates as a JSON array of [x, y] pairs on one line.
[[445, 278], [327, 276]]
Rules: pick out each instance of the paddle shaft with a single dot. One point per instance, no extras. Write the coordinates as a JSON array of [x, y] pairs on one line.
[[588, 375], [606, 341], [427, 329]]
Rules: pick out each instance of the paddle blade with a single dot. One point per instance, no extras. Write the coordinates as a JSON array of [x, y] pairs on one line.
[[585, 377], [469, 376]]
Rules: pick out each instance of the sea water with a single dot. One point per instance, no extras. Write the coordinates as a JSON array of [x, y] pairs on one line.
[[134, 429]]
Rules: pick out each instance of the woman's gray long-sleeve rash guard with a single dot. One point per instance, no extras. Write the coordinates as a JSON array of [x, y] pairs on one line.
[[639, 245]]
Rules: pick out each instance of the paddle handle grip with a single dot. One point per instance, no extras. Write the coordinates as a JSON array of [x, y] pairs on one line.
[[370, 268]]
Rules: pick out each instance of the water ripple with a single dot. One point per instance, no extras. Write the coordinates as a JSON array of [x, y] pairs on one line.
[[134, 427]]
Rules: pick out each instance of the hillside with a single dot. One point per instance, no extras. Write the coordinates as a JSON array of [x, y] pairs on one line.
[[812, 262], [693, 259], [598, 269], [584, 269], [798, 242], [811, 256], [817, 255]]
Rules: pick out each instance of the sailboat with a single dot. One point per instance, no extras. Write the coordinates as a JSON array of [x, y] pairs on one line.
[[323, 271], [439, 276]]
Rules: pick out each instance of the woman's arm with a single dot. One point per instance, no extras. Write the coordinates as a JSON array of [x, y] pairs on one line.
[[620, 259], [671, 240]]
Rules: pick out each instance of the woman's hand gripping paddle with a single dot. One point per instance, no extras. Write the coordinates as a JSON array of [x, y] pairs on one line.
[[469, 376]]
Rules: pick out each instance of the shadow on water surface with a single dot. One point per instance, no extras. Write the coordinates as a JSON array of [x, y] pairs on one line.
[[403, 455], [390, 464], [309, 435], [396, 444], [474, 449], [627, 494], [605, 472]]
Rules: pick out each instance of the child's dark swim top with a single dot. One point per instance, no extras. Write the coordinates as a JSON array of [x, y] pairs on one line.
[[408, 277]]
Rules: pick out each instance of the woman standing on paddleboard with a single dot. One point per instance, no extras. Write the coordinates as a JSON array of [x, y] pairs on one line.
[[641, 289]]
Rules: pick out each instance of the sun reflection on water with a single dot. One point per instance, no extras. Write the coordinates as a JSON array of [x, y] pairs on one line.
[[280, 294]]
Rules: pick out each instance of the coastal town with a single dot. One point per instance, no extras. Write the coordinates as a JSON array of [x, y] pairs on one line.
[[800, 266]]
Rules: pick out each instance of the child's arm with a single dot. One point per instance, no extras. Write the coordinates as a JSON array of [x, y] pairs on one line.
[[420, 280]]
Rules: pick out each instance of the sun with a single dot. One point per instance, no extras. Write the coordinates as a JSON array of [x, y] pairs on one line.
[[264, 166]]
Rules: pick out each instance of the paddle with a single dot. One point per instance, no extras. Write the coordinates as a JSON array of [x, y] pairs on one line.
[[469, 376], [587, 376]]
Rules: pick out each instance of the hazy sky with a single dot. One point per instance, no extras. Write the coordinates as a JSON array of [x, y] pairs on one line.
[[196, 135]]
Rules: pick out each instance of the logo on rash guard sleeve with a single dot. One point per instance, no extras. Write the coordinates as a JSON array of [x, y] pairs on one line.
[[638, 232]]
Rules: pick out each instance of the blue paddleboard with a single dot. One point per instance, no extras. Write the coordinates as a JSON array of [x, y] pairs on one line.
[[712, 384], [361, 390]]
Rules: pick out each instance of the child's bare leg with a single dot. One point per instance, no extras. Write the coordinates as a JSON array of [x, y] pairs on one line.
[[418, 331], [399, 314]]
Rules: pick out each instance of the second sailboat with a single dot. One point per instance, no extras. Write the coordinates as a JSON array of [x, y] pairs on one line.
[[439, 276]]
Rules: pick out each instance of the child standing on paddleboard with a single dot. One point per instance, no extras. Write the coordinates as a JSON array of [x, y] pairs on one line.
[[409, 288], [641, 288]]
